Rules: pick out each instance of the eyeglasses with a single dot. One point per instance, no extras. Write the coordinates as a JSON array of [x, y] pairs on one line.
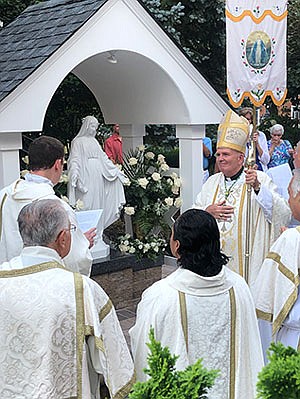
[[73, 227], [277, 134]]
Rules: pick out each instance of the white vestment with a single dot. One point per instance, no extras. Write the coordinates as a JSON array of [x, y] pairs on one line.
[[276, 292], [203, 317], [269, 212], [58, 328], [20, 193], [99, 183]]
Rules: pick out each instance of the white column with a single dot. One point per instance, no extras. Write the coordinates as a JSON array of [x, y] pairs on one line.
[[10, 144], [132, 136], [190, 161]]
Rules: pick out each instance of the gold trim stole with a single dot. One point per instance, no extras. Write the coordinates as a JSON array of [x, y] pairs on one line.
[[184, 323], [240, 227], [89, 331], [232, 344], [78, 283], [276, 323], [31, 269]]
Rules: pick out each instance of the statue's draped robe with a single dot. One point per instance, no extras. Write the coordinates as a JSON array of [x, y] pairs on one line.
[[98, 176], [269, 211], [20, 193], [276, 292], [203, 317], [58, 332]]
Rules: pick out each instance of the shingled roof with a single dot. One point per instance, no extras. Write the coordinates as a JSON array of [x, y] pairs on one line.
[[36, 34]]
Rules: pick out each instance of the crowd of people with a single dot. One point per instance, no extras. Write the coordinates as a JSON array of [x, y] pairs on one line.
[[60, 336]]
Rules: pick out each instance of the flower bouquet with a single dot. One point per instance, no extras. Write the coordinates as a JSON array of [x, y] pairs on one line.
[[151, 191]]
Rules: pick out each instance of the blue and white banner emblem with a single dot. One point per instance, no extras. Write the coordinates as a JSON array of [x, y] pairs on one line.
[[256, 50]]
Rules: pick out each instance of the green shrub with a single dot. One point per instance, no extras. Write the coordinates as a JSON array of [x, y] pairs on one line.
[[167, 383], [280, 378]]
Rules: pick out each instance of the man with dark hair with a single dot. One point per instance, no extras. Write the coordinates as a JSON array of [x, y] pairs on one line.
[[202, 310], [46, 160], [44, 151], [59, 330]]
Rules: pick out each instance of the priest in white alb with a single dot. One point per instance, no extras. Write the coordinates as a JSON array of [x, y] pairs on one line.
[[202, 310], [276, 292], [224, 196], [59, 332], [46, 162]]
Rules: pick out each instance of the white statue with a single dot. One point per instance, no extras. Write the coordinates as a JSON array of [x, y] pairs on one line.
[[93, 178]]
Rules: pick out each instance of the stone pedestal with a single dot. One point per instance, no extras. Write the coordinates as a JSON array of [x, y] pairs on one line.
[[124, 278]]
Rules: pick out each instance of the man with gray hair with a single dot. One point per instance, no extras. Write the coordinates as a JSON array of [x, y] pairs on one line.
[[276, 290], [46, 160], [59, 331]]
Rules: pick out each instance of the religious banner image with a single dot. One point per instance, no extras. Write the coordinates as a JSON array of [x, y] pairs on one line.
[[256, 51]]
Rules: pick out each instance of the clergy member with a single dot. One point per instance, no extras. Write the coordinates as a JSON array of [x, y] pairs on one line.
[[202, 310], [46, 160], [59, 330], [276, 291], [224, 196]]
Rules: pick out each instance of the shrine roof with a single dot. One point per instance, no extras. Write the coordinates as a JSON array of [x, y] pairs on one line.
[[36, 34]]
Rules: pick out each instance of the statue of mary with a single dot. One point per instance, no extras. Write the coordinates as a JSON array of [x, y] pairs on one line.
[[93, 178]]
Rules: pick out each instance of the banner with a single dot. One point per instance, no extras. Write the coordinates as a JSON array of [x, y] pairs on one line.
[[256, 50]]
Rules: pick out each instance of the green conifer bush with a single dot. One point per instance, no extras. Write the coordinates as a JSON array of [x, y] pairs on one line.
[[280, 378], [166, 382]]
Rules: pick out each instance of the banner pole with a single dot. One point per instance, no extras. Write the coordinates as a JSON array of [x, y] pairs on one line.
[[250, 162]]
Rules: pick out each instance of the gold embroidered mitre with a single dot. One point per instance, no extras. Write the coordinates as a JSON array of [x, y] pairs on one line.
[[233, 132]]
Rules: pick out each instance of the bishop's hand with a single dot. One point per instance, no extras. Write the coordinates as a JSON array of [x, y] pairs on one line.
[[221, 211]]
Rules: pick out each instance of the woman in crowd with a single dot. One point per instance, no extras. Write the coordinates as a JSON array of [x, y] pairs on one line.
[[280, 150]]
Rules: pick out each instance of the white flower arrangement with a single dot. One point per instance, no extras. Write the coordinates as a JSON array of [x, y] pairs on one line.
[[161, 158], [25, 160], [164, 167], [156, 176], [129, 210], [133, 161], [79, 205], [24, 172], [149, 155], [143, 182], [64, 178], [149, 197], [178, 202], [169, 201], [150, 249]]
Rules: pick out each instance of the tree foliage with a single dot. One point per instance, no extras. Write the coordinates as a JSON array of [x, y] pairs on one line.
[[280, 378], [10, 9], [293, 49], [70, 103], [167, 383], [202, 33]]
